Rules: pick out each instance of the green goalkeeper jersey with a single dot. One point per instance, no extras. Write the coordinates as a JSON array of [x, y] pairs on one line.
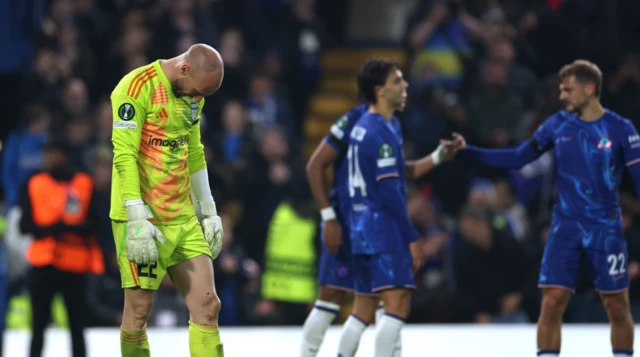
[[156, 141]]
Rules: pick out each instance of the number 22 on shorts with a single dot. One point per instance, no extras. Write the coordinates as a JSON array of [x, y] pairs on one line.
[[149, 270], [616, 264]]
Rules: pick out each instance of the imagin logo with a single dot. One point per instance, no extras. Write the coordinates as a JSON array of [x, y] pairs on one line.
[[171, 144]]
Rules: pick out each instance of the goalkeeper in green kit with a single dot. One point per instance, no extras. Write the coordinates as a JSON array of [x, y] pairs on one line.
[[158, 160]]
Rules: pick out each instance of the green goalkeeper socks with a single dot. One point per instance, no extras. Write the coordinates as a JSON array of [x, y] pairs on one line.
[[204, 341], [134, 343]]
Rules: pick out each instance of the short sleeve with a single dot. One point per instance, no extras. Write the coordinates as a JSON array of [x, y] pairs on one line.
[[544, 137], [385, 150], [338, 136], [630, 144]]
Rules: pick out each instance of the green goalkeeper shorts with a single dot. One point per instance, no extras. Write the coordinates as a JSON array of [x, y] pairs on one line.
[[184, 242]]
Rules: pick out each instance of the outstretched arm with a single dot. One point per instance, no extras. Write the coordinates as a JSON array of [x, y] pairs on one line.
[[416, 168], [513, 158]]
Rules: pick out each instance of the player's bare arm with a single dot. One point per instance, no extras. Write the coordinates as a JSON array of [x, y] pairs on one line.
[[444, 152], [322, 157]]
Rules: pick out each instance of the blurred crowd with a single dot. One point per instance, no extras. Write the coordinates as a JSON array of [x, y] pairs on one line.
[[484, 68]]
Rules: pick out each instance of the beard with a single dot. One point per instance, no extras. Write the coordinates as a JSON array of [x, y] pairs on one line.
[[576, 108], [177, 88]]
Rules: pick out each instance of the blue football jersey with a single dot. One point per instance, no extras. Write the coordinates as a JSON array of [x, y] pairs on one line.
[[590, 159], [375, 153], [339, 140]]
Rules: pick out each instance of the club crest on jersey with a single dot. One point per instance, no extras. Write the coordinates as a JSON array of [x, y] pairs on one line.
[[126, 111], [194, 112], [604, 143]]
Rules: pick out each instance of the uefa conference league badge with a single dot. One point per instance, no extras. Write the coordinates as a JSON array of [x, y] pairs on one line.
[[126, 111]]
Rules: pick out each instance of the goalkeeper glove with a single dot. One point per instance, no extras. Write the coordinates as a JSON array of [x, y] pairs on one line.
[[141, 248], [212, 226]]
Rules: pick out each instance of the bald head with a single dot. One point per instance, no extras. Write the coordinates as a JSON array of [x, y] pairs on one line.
[[201, 70], [204, 59]]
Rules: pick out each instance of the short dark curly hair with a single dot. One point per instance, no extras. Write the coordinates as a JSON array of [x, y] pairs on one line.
[[374, 73]]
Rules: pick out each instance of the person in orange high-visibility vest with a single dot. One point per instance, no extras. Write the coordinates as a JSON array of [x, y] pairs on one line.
[[58, 211]]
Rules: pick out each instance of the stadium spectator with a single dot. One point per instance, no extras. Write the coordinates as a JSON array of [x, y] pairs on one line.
[[440, 35], [434, 299], [22, 155], [265, 106], [265, 183], [491, 292], [494, 111], [234, 141], [237, 278]]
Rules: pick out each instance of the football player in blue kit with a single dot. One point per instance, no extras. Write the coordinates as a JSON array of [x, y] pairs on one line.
[[592, 146], [335, 276], [381, 232], [334, 271]]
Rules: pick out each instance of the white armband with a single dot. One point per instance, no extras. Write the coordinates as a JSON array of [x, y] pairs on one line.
[[438, 154], [328, 213]]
